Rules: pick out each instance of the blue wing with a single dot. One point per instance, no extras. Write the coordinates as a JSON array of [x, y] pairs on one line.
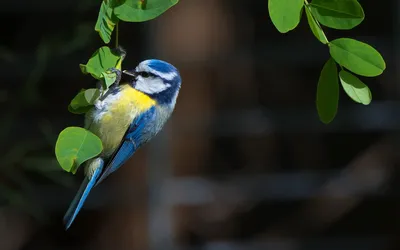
[[81, 196], [133, 139]]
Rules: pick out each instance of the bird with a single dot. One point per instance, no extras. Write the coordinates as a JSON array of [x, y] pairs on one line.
[[128, 116]]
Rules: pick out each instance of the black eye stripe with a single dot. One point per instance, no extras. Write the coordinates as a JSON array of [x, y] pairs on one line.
[[145, 74]]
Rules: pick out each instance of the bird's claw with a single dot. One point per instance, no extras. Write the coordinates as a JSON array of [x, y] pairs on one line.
[[118, 74]]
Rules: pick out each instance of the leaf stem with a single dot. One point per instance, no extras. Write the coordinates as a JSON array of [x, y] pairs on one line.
[[307, 5], [116, 35]]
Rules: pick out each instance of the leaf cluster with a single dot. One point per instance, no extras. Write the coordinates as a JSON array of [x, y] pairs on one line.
[[353, 57]]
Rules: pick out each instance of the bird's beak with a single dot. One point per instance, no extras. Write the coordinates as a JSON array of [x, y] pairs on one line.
[[130, 72]]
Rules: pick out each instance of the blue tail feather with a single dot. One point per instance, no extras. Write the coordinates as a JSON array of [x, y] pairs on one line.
[[81, 196]]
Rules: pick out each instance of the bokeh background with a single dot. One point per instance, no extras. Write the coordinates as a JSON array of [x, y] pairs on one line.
[[244, 162]]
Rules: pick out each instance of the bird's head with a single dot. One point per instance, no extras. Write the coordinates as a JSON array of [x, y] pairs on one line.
[[157, 79]]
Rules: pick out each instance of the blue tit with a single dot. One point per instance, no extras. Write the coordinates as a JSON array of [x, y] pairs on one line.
[[128, 116]]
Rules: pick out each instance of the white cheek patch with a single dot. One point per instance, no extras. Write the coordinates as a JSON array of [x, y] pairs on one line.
[[151, 85]]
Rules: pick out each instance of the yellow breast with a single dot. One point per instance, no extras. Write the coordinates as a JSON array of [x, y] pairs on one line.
[[112, 117]]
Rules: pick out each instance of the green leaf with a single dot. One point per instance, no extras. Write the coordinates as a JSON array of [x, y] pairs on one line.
[[338, 14], [79, 100], [109, 78], [355, 88], [316, 28], [357, 56], [328, 92], [79, 111], [102, 60], [142, 10], [79, 104], [106, 21], [91, 95], [76, 145], [285, 14], [83, 101]]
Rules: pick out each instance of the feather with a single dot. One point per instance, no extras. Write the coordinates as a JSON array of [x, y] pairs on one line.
[[82, 194], [135, 136]]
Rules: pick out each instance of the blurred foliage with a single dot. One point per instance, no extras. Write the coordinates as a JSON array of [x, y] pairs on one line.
[[26, 158], [22, 163]]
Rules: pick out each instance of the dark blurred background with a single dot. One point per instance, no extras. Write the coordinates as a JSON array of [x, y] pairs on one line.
[[244, 162]]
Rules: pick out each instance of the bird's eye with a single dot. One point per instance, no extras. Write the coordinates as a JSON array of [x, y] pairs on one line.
[[144, 74]]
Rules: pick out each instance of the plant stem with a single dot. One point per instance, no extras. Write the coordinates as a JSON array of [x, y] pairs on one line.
[[307, 5], [116, 35]]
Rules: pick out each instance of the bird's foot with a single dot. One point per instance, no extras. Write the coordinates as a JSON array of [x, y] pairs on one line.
[[118, 74]]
